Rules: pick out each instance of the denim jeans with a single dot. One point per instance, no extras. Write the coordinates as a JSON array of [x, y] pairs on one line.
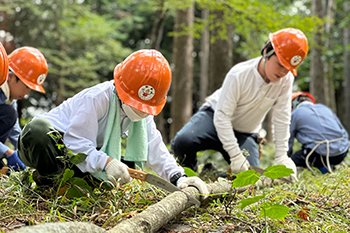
[[200, 134]]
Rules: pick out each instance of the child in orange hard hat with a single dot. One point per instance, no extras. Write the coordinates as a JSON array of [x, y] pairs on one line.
[[26, 70], [94, 121], [231, 117]]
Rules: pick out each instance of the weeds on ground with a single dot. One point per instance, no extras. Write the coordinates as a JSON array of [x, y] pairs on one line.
[[315, 203]]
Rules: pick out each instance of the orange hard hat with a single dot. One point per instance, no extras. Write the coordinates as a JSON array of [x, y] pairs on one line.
[[299, 96], [30, 66], [142, 81], [4, 65], [290, 46]]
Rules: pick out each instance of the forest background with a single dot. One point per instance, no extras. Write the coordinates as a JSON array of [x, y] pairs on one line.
[[83, 40]]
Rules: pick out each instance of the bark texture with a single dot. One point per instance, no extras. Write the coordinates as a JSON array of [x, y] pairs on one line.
[[154, 217], [316, 72], [61, 227], [181, 86]]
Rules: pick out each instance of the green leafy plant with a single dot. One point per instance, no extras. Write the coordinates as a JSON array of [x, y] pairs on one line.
[[250, 177]]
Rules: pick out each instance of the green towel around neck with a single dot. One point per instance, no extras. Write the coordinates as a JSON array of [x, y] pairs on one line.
[[136, 145]]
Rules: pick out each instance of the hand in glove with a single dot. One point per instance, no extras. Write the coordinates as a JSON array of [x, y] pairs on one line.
[[14, 162], [288, 162], [239, 163], [117, 172], [184, 182]]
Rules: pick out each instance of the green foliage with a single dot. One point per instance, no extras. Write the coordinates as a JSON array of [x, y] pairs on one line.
[[189, 172], [251, 24], [250, 177], [249, 201], [275, 211], [277, 171], [82, 47], [76, 159], [245, 178], [79, 188], [68, 174]]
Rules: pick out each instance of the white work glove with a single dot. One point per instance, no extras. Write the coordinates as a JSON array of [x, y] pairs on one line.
[[184, 182], [239, 163], [117, 172], [288, 162]]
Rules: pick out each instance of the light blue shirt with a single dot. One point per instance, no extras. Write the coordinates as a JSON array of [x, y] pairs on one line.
[[317, 122]]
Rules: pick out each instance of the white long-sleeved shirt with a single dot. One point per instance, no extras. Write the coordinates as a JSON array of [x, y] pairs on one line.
[[243, 102], [83, 120]]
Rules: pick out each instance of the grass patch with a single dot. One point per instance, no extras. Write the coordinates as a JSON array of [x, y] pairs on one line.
[[316, 203]]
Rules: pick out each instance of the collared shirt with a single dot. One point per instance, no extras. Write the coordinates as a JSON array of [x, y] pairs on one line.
[[317, 122], [83, 120], [13, 136], [243, 102]]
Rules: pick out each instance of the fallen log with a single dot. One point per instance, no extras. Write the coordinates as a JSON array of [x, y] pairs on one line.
[[62, 227], [157, 215]]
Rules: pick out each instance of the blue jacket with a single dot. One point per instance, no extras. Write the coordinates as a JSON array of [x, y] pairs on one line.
[[317, 122], [13, 136]]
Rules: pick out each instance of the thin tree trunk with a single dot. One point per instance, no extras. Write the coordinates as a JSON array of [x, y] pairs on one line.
[[346, 34], [60, 80], [204, 58], [220, 60], [181, 90], [316, 84], [156, 38], [327, 68]]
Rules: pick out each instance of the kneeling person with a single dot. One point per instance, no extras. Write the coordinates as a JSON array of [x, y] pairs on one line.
[[100, 116]]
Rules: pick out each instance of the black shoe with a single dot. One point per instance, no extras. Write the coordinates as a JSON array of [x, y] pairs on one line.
[[42, 181]]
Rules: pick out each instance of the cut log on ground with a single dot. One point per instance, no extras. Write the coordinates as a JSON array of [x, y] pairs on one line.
[[157, 215], [62, 227]]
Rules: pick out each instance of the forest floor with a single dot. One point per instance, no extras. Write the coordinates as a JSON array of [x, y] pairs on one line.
[[315, 203]]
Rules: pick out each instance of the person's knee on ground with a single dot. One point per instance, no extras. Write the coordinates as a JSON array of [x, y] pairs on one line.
[[181, 146], [37, 147], [8, 119]]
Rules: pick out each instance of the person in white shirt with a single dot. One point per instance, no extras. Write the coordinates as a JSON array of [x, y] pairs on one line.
[[230, 118], [94, 121]]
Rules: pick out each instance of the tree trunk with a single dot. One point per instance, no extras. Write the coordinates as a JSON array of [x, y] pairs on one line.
[[181, 90], [316, 83], [60, 79], [220, 60], [327, 68], [156, 38], [204, 58], [346, 34]]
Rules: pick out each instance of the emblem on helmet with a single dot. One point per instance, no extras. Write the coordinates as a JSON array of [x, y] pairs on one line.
[[41, 79], [146, 92], [295, 60]]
